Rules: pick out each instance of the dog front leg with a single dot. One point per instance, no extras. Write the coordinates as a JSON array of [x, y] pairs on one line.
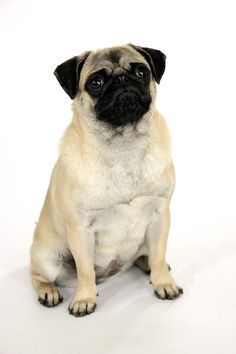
[[163, 283], [82, 249]]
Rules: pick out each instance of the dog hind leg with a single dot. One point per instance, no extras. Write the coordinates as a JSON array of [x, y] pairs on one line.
[[44, 268]]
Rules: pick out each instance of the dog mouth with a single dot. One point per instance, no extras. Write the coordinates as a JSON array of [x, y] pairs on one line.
[[126, 106]]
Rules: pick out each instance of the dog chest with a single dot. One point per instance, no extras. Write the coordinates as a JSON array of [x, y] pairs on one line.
[[119, 178], [121, 195]]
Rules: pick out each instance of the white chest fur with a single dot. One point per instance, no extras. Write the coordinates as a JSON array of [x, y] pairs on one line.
[[121, 195]]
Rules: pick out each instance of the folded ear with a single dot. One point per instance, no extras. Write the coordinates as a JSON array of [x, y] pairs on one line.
[[68, 74], [155, 58]]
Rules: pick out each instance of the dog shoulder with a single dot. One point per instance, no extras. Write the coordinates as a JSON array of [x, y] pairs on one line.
[[161, 131]]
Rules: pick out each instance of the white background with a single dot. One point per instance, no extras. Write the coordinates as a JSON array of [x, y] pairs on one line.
[[197, 97]]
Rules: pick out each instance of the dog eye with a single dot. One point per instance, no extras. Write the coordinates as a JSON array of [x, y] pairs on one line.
[[96, 82], [139, 72]]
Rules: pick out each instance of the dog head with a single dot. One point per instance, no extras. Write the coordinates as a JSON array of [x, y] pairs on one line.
[[113, 85]]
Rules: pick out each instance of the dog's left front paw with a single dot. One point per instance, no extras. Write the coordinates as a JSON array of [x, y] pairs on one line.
[[165, 287]]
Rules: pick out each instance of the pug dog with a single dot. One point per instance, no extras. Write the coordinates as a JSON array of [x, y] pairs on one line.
[[107, 205]]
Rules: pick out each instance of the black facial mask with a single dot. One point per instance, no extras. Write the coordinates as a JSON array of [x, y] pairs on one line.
[[121, 99]]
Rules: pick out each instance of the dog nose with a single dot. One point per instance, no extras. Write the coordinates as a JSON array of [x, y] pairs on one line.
[[122, 79]]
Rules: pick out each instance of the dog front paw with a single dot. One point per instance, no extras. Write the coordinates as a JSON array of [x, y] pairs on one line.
[[81, 307], [165, 287]]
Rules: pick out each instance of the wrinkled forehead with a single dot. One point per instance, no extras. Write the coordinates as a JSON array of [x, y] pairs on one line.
[[112, 59]]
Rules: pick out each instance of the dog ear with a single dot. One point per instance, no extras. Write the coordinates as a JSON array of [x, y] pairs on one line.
[[68, 74], [155, 58]]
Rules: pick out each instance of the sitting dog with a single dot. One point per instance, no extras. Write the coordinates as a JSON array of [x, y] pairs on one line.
[[107, 205]]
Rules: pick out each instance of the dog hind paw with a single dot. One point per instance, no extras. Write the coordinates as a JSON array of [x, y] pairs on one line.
[[50, 297]]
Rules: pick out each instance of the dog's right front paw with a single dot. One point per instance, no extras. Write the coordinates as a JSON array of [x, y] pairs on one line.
[[79, 308]]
